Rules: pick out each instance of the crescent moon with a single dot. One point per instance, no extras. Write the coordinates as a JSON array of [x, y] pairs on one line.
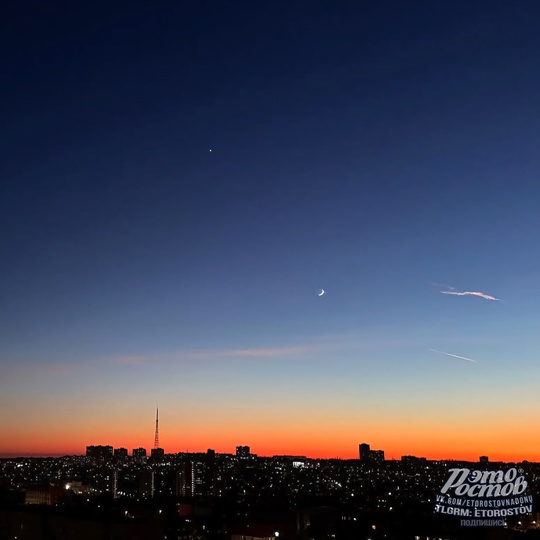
[[321, 293]]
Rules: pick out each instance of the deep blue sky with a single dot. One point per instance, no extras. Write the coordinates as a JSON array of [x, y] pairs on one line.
[[379, 150]]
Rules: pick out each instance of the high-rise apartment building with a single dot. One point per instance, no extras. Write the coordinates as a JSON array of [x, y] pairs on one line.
[[243, 452], [367, 454], [157, 454], [364, 452], [146, 483], [139, 454], [99, 452], [189, 479]]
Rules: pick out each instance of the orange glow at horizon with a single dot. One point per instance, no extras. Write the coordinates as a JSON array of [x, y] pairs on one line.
[[309, 423], [287, 442]]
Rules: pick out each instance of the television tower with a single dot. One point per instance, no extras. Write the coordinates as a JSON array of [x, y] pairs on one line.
[[156, 438]]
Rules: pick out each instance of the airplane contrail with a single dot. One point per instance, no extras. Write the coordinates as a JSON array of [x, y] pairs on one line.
[[471, 293], [454, 356]]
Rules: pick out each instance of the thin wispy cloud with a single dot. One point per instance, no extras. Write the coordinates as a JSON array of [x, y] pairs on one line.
[[255, 352], [34, 369], [57, 368], [471, 293], [454, 355], [268, 352], [213, 354], [131, 360]]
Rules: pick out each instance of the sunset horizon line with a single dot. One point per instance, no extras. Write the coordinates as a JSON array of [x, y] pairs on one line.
[[56, 455]]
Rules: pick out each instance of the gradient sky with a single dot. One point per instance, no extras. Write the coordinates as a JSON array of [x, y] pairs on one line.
[[383, 151]]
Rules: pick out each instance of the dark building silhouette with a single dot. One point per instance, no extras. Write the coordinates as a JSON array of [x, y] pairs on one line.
[[242, 452], [190, 479], [209, 478], [412, 460], [99, 452], [113, 478], [185, 480], [138, 454], [484, 459], [364, 452], [120, 453], [146, 483], [157, 454]]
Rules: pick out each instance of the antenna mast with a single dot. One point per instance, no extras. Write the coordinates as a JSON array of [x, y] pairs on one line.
[[156, 438]]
